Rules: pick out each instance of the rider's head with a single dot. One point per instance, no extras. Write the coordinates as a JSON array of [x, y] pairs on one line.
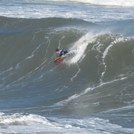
[[57, 50]]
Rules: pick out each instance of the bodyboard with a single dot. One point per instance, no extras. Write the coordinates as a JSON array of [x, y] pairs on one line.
[[59, 59]]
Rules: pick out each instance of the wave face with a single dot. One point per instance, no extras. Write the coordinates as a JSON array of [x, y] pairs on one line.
[[91, 91], [96, 80]]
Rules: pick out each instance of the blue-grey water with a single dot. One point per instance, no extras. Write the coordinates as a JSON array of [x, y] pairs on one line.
[[91, 91]]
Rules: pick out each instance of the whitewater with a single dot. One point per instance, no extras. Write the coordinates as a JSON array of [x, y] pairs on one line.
[[91, 91]]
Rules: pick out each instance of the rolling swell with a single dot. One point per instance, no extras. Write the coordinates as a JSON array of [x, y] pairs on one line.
[[26, 54], [101, 68], [22, 25]]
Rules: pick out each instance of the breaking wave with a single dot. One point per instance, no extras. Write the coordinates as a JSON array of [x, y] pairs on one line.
[[96, 79]]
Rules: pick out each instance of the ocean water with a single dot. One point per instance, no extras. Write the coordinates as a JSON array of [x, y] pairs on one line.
[[91, 91]]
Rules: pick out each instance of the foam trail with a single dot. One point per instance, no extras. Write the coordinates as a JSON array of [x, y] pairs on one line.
[[75, 96], [106, 53], [80, 46], [76, 74]]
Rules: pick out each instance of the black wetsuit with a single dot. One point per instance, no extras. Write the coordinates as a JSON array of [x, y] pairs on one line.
[[63, 52]]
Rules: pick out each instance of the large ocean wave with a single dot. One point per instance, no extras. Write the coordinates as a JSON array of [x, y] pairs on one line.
[[97, 80], [27, 53]]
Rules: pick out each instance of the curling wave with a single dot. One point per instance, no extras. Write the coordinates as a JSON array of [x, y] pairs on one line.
[[96, 80]]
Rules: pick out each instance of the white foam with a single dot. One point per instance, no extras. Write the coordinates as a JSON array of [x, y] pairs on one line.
[[66, 9], [105, 2], [80, 46], [19, 119], [106, 51], [113, 2], [33, 124]]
